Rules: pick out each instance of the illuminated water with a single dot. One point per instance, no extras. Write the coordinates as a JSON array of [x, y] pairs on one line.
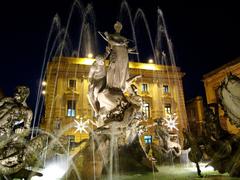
[[179, 172]]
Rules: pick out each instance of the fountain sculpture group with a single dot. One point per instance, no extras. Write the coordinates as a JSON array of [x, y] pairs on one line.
[[17, 152], [221, 147], [117, 106], [114, 146]]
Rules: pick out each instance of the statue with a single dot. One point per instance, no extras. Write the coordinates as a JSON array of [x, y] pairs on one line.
[[195, 154], [229, 96], [97, 81], [13, 112], [118, 107], [166, 147], [162, 134], [219, 145], [16, 151], [117, 73]]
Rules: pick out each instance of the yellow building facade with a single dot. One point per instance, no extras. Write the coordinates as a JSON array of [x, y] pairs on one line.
[[67, 87], [212, 81], [195, 114]]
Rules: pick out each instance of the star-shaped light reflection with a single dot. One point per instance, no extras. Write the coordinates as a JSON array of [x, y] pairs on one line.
[[170, 122], [81, 126]]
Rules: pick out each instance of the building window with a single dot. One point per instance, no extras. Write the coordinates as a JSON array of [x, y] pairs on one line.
[[71, 108], [72, 83], [165, 89], [144, 87], [167, 108], [146, 110], [148, 139]]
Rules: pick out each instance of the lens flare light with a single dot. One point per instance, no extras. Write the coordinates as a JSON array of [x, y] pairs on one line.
[[81, 126], [170, 122]]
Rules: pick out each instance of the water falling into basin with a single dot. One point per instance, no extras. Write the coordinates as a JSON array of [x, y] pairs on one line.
[[65, 100]]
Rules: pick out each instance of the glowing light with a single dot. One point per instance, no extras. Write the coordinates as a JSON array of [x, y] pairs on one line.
[[204, 167], [150, 61], [81, 126], [43, 92], [148, 66], [170, 122], [88, 61], [90, 55], [48, 172], [44, 83]]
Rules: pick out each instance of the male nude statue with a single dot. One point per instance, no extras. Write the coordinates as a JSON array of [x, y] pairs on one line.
[[97, 81]]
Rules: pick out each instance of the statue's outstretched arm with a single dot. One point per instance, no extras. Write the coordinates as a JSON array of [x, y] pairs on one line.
[[104, 35], [132, 50], [107, 52]]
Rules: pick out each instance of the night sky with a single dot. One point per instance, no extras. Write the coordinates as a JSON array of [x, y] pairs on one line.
[[204, 36]]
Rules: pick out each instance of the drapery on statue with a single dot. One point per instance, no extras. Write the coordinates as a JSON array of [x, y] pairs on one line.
[[106, 88], [117, 73], [16, 151]]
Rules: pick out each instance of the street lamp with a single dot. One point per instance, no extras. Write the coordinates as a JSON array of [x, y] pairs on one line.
[[44, 83], [150, 61], [90, 55], [43, 92]]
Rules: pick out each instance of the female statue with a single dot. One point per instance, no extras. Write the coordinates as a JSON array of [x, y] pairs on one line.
[[117, 48]]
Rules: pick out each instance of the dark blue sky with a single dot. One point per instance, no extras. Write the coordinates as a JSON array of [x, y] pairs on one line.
[[204, 36]]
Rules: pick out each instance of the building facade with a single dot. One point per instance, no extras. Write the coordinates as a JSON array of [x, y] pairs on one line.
[[195, 115], [212, 81], [67, 87]]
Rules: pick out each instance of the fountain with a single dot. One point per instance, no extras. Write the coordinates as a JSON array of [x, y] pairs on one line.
[[217, 143], [116, 123], [118, 112]]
